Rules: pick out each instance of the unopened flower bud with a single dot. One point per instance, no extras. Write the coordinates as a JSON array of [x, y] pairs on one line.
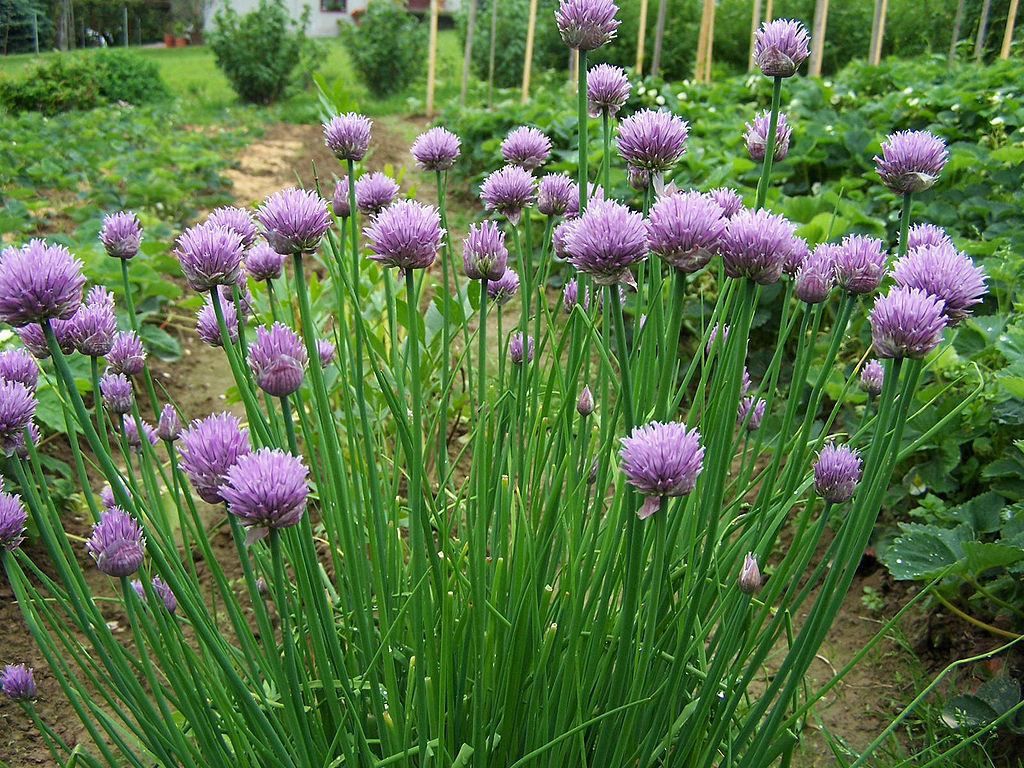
[[585, 402], [750, 575]]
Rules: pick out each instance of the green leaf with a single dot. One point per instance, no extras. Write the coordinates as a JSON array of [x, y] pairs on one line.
[[981, 556], [923, 551], [160, 342]]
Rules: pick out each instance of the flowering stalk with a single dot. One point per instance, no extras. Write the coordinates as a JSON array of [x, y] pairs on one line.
[[582, 177], [769, 150], [904, 225]]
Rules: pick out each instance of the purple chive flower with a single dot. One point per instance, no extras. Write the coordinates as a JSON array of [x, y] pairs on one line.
[[348, 136], [571, 295], [860, 264], [92, 329], [585, 402], [39, 282], [209, 256], [207, 327], [836, 473], [652, 140], [263, 263], [516, 351], [131, 433], [407, 234], [17, 365], [558, 235], [754, 409], [21, 446], [168, 426], [871, 378], [209, 447], [780, 47], [340, 203], [278, 360], [374, 192], [686, 230], [661, 459], [127, 355], [911, 161], [117, 544], [906, 322], [714, 335], [605, 240], [816, 278], [756, 137], [750, 575], [100, 294], [796, 256], [526, 147], [728, 200], [945, 272], [162, 591], [507, 191], [116, 393], [755, 245], [17, 682], [107, 497], [502, 290], [586, 24], [926, 234], [556, 194], [325, 352], [639, 178], [17, 404], [267, 489], [294, 220], [607, 89], [121, 234], [237, 220], [12, 521], [484, 255], [436, 149], [594, 192], [744, 379]]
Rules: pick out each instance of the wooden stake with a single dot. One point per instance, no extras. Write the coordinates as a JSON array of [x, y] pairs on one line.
[[432, 58], [490, 59], [707, 20], [755, 24], [531, 25], [640, 37], [1011, 18], [659, 36], [878, 32], [956, 31], [979, 42], [467, 56], [709, 45], [768, 11], [818, 37]]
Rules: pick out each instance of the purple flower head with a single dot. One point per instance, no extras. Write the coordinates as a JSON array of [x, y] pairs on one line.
[[926, 234], [278, 360], [263, 263], [714, 335], [348, 136], [209, 256], [484, 255], [17, 365], [594, 192], [586, 24], [526, 147], [860, 264], [17, 404], [516, 351], [585, 402], [12, 521], [744, 379], [92, 329], [116, 393], [127, 355], [21, 444], [556, 194], [754, 409], [571, 295], [508, 190], [605, 240], [728, 200], [100, 294], [117, 544], [816, 278], [906, 322], [39, 282], [121, 234], [374, 192], [502, 290], [131, 433], [661, 459], [407, 234], [294, 220], [17, 682], [872, 377], [162, 591], [945, 272], [639, 178], [686, 230], [558, 235], [237, 220], [168, 426], [207, 327], [911, 161], [607, 89], [756, 137], [780, 47], [836, 473], [652, 140], [267, 489], [340, 203], [756, 244], [325, 352], [797, 255], [107, 497], [208, 449], [750, 575], [436, 149]]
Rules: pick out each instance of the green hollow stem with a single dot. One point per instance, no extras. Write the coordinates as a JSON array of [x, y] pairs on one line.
[[769, 150], [606, 165], [904, 225], [133, 321], [583, 178]]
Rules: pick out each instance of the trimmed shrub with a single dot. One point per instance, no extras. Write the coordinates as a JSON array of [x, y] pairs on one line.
[[388, 48], [127, 76]]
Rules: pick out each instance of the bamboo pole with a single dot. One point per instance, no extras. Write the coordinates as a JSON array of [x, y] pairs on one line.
[[768, 11], [878, 32], [710, 43], [957, 21], [1011, 18], [490, 59], [979, 42], [818, 37], [467, 56], [702, 45], [531, 25], [659, 36], [755, 23], [432, 58], [641, 36]]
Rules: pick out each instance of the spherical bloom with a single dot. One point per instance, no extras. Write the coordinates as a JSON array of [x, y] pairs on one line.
[[756, 244], [911, 161], [508, 190], [639, 178], [264, 263], [107, 497], [117, 544], [558, 235], [754, 409], [945, 272], [237, 220], [502, 290], [17, 682], [340, 203], [872, 377], [526, 147], [407, 234], [836, 473], [926, 234], [571, 295], [294, 220], [21, 445], [325, 352], [607, 89], [127, 355], [131, 433], [39, 282], [162, 591], [686, 230], [556, 194], [208, 449], [780, 47], [92, 329], [594, 192], [661, 459], [652, 140], [209, 256], [484, 255], [797, 255], [744, 379], [816, 277], [860, 264], [756, 137], [585, 402], [586, 24], [121, 234], [375, 191], [207, 327], [348, 135], [100, 294], [12, 521], [714, 335], [278, 360], [750, 575], [516, 350], [906, 322], [267, 489], [17, 365], [728, 200], [116, 393], [168, 427], [17, 404], [605, 240], [436, 149]]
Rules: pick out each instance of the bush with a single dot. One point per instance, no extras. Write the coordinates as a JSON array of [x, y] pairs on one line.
[[387, 47], [127, 76]]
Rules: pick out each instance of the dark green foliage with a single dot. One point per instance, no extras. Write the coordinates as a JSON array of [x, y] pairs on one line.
[[510, 40], [16, 26], [127, 76], [388, 48]]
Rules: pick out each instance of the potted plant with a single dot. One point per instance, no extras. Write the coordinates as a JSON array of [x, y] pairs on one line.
[[179, 34]]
